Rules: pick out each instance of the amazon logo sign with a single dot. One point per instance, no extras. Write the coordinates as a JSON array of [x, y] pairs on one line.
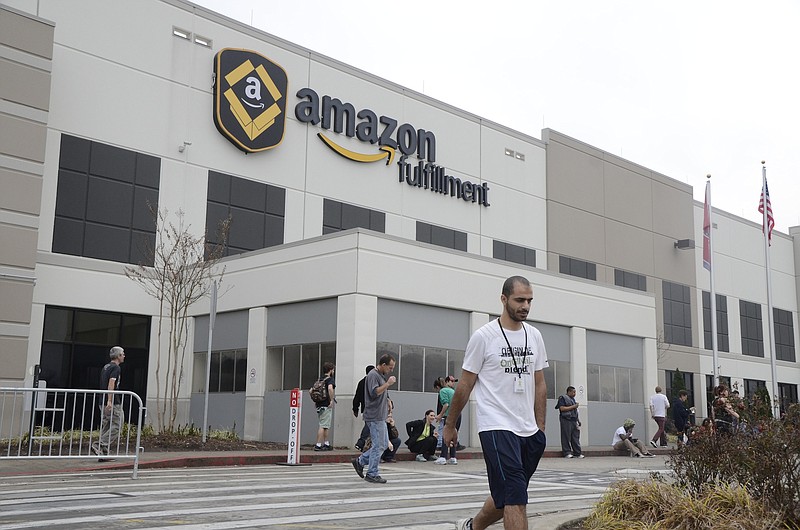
[[250, 110]]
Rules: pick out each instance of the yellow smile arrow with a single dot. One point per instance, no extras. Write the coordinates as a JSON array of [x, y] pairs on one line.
[[388, 152]]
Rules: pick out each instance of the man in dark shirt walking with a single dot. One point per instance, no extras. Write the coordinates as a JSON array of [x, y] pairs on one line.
[[110, 406]]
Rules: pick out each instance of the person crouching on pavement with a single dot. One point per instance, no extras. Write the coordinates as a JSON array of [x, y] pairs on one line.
[[623, 439], [422, 437]]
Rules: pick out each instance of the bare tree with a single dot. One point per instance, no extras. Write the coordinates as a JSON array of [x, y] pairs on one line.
[[177, 271]]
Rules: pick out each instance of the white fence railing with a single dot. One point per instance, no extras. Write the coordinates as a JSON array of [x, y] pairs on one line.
[[37, 423]]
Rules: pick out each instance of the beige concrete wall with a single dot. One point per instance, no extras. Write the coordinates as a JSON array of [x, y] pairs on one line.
[[612, 212], [26, 50]]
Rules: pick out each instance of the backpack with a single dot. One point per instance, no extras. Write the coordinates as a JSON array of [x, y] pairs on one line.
[[319, 391]]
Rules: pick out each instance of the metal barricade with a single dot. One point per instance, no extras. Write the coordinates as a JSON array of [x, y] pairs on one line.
[[38, 423]]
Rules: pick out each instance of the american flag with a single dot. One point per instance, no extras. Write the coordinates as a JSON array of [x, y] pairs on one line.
[[765, 199]]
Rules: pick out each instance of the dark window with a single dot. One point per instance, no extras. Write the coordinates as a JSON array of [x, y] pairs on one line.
[[788, 395], [103, 202], [338, 216], [302, 363], [784, 335], [688, 385], [722, 322], [75, 348], [514, 253], [752, 333], [677, 314], [257, 212], [443, 237], [228, 371], [577, 267], [417, 366], [631, 280], [750, 387]]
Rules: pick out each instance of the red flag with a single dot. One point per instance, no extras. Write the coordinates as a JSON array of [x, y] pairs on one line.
[[707, 228], [770, 219]]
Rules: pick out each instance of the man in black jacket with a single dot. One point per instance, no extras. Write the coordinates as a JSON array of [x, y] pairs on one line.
[[680, 414], [358, 404]]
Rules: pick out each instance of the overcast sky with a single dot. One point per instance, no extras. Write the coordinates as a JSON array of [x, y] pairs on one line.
[[685, 88]]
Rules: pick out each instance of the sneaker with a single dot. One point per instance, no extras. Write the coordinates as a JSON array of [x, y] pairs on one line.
[[359, 467], [327, 447], [430, 458], [389, 461], [649, 455], [568, 455], [96, 449], [359, 447], [375, 479], [653, 444], [464, 524], [441, 461], [421, 458], [106, 459], [460, 447], [580, 456], [318, 448], [638, 455], [453, 462]]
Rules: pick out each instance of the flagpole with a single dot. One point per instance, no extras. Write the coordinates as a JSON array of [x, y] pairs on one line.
[[770, 325], [707, 238]]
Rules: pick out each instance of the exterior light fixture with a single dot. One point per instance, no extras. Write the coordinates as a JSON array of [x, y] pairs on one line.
[[684, 244]]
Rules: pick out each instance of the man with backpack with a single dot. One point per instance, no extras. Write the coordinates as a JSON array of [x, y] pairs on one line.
[[325, 406]]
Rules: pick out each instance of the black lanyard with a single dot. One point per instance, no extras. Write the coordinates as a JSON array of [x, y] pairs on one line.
[[511, 350]]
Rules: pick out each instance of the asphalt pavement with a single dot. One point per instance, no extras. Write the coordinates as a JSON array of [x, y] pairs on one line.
[[600, 461]]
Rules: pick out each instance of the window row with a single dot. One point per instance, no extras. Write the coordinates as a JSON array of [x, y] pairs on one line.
[[750, 321], [418, 366], [228, 371], [612, 384]]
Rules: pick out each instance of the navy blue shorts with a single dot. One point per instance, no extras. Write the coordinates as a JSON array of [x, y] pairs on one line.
[[510, 463]]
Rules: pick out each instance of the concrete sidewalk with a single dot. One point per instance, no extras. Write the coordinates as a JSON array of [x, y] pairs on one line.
[[180, 459]]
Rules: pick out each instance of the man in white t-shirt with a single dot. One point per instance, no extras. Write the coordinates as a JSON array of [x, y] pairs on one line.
[[658, 411], [503, 364]]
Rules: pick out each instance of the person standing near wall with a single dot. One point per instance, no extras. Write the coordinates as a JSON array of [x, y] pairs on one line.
[[445, 398], [325, 408], [504, 363], [376, 409], [570, 424], [111, 407], [658, 411]]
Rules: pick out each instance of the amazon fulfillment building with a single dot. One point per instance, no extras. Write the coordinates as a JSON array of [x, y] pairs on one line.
[[366, 217]]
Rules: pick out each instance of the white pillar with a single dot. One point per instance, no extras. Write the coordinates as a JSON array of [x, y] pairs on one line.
[[578, 377], [356, 340], [650, 381], [255, 386]]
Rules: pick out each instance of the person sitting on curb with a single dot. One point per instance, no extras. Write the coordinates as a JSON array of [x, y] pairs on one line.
[[623, 439], [422, 437]]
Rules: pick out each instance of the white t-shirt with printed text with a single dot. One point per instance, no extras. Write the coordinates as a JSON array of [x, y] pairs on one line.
[[498, 406]]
